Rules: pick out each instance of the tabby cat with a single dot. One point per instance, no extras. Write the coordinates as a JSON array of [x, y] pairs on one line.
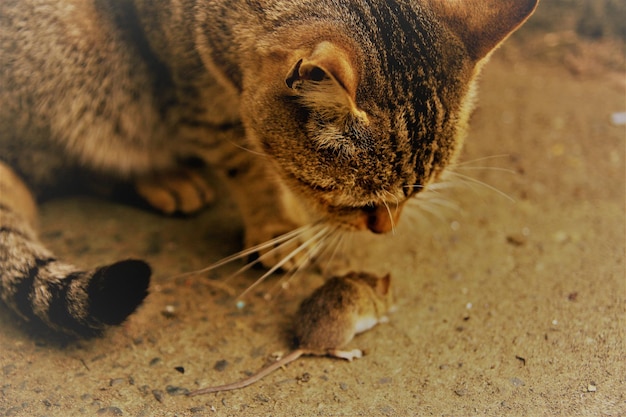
[[331, 112]]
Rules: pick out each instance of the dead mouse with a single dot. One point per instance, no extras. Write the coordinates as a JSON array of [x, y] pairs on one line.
[[328, 320]]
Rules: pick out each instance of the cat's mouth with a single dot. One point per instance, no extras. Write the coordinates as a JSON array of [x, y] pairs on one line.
[[377, 218], [350, 210]]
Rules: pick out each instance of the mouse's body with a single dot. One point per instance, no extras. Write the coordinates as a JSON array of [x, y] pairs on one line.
[[328, 320]]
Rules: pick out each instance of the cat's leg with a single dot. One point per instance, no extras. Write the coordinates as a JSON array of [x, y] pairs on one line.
[[39, 288], [268, 211]]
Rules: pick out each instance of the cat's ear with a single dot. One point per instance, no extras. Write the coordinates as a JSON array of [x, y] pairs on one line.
[[483, 24], [327, 76]]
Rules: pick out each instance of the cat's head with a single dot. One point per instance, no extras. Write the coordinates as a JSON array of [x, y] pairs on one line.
[[363, 108]]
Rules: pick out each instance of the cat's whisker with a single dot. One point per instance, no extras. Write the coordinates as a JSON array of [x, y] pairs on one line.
[[270, 253], [311, 255], [468, 179], [334, 248], [473, 161], [286, 259], [279, 240], [443, 202], [425, 206], [479, 168], [433, 204], [252, 151], [436, 187], [393, 223], [440, 185], [415, 186], [386, 204]]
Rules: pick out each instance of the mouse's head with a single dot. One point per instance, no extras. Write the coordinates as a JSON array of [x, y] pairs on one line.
[[381, 286]]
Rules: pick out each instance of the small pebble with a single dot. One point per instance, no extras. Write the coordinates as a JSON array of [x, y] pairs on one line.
[[516, 240], [158, 395], [169, 311], [112, 411], [387, 410], [180, 369], [517, 382], [220, 365], [154, 361], [172, 390], [343, 386], [116, 381], [262, 398], [8, 369], [306, 377], [592, 388], [13, 411], [618, 118]]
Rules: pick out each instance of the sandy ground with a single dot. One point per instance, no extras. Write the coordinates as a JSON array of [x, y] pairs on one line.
[[512, 303]]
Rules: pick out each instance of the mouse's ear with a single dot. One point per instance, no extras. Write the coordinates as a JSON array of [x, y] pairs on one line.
[[383, 284]]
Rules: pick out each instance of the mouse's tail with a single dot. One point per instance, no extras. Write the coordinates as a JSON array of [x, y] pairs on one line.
[[254, 378]]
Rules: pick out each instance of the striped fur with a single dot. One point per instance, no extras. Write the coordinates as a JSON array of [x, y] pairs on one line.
[[42, 289], [348, 106]]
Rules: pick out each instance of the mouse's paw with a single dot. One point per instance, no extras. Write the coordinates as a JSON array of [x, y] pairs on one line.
[[346, 354], [182, 191]]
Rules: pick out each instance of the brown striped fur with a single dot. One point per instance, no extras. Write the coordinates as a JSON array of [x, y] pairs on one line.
[[354, 106]]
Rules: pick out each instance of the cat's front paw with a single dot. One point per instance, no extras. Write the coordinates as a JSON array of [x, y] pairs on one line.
[[182, 191]]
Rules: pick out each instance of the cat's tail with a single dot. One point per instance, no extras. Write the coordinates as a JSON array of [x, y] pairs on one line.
[[41, 289]]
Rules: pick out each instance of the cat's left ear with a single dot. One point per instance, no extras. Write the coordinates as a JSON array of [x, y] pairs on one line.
[[331, 64], [482, 25]]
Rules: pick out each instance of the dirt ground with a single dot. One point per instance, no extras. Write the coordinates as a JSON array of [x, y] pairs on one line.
[[510, 302]]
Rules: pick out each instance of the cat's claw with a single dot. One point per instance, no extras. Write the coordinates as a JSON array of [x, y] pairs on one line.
[[183, 191]]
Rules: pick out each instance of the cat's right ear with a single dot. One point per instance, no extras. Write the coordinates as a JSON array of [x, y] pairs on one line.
[[482, 25], [325, 61], [327, 65]]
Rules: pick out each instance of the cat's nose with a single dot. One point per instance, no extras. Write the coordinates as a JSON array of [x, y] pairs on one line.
[[382, 218]]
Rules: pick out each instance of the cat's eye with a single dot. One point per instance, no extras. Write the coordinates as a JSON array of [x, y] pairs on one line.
[[317, 74]]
